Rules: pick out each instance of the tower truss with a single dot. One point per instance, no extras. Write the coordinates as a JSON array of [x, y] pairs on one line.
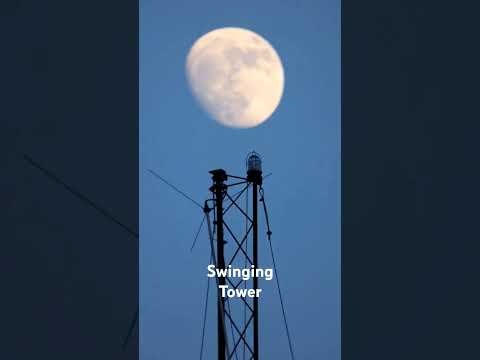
[[233, 236]]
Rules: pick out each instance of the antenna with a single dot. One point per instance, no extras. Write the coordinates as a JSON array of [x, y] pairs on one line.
[[231, 250]]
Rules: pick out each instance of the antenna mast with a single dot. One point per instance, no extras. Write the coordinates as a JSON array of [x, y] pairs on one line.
[[238, 253]]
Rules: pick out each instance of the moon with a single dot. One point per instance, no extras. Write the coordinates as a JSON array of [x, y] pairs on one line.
[[236, 76]]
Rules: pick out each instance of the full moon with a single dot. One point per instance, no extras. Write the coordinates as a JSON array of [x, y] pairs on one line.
[[236, 76]]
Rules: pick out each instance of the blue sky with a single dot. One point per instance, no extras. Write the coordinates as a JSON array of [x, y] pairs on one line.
[[299, 144]]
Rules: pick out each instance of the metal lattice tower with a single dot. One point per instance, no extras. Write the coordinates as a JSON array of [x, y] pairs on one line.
[[229, 247]]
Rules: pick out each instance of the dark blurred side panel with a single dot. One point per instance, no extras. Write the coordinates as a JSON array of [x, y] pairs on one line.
[[69, 179], [410, 180]]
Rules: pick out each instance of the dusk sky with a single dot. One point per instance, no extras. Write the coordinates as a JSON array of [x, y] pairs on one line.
[[299, 144]]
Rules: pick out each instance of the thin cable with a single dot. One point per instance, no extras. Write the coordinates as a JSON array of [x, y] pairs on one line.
[[281, 299], [205, 314], [269, 233], [175, 188], [130, 330], [198, 232], [239, 191], [231, 328], [102, 211], [80, 196]]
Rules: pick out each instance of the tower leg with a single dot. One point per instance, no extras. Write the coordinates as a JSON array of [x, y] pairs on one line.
[[255, 263], [218, 189]]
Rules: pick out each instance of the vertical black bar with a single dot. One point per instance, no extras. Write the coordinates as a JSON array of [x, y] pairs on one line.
[[410, 180], [219, 186], [255, 263], [72, 106]]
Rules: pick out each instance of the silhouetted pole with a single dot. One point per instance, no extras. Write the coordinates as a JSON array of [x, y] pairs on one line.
[[219, 176], [254, 175], [255, 264]]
